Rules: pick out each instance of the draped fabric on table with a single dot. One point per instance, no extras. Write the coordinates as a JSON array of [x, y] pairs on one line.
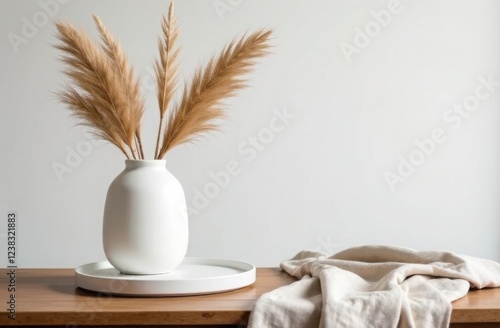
[[373, 286]]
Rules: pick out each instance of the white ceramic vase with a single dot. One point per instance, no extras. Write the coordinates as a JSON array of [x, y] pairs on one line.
[[145, 226]]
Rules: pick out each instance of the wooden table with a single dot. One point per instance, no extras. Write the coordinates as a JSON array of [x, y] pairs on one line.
[[49, 297]]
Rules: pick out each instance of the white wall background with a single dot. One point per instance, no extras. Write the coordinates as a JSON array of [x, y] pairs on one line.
[[320, 182]]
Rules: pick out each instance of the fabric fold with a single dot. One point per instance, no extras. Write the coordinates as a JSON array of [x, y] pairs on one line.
[[373, 286]]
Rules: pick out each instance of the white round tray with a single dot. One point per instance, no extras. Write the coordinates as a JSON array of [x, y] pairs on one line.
[[193, 277]]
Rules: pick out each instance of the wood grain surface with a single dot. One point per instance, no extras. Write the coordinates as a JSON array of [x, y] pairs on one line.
[[50, 297]]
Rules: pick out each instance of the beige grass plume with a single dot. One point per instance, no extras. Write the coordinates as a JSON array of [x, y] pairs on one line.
[[105, 95], [100, 95], [130, 84], [201, 102], [166, 67]]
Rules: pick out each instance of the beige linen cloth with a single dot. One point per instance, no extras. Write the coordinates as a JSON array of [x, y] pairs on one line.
[[372, 286]]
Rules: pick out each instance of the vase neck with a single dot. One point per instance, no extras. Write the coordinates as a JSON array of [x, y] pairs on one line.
[[138, 163]]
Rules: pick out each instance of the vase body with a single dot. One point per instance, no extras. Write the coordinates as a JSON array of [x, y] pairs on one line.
[[145, 224]]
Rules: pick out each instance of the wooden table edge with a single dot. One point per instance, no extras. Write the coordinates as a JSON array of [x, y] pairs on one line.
[[462, 313]]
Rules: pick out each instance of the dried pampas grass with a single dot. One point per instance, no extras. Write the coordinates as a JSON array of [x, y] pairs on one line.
[[104, 93]]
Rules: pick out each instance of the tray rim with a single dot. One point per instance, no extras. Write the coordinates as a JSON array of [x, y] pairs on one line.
[[244, 278]]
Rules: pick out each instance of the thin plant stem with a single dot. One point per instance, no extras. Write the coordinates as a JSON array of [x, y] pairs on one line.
[[160, 128], [139, 144]]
